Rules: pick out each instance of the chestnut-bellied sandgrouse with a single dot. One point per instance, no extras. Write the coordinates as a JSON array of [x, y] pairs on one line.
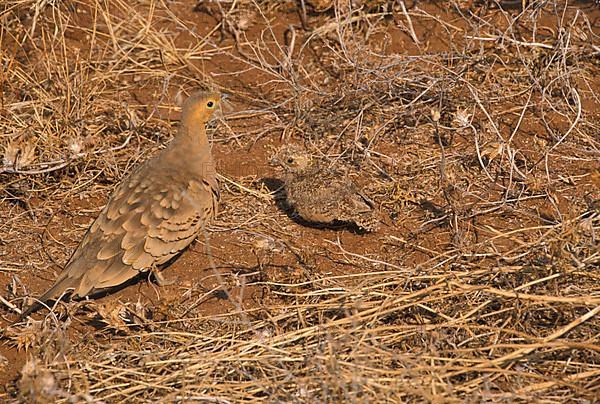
[[321, 195], [152, 215]]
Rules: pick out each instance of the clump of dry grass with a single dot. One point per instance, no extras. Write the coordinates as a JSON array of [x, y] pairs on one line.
[[481, 149]]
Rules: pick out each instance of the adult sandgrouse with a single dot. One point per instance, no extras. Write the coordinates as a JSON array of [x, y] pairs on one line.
[[321, 195], [152, 215]]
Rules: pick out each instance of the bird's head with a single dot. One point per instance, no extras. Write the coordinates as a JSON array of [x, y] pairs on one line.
[[199, 107], [292, 158]]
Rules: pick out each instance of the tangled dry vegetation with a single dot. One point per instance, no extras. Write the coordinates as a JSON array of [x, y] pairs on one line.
[[473, 125]]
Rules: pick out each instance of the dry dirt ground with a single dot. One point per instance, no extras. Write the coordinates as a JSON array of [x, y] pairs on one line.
[[473, 125]]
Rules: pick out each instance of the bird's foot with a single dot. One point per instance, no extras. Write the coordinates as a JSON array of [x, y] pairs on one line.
[[160, 279]]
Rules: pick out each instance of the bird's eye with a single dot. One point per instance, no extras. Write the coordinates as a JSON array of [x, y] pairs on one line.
[[290, 160], [210, 104]]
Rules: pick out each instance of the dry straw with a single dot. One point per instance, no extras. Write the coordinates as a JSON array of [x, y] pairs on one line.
[[473, 125]]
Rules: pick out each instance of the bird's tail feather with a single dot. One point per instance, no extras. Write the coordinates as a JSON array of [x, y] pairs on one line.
[[56, 291]]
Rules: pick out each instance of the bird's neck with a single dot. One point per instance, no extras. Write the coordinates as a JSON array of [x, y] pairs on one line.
[[193, 134], [192, 140]]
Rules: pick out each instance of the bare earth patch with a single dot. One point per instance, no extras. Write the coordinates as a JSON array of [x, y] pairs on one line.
[[474, 126]]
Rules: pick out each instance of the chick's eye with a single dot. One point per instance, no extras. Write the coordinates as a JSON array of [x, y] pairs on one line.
[[210, 104], [290, 160]]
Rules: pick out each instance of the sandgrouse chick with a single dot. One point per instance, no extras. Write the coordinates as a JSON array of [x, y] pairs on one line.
[[319, 194], [152, 215]]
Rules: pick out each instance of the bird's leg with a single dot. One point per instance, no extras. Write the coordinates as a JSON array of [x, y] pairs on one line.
[[159, 278]]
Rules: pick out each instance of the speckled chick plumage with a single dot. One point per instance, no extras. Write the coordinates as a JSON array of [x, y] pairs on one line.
[[152, 215], [320, 194]]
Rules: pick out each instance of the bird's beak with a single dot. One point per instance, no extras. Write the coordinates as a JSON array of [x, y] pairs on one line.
[[226, 105]]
